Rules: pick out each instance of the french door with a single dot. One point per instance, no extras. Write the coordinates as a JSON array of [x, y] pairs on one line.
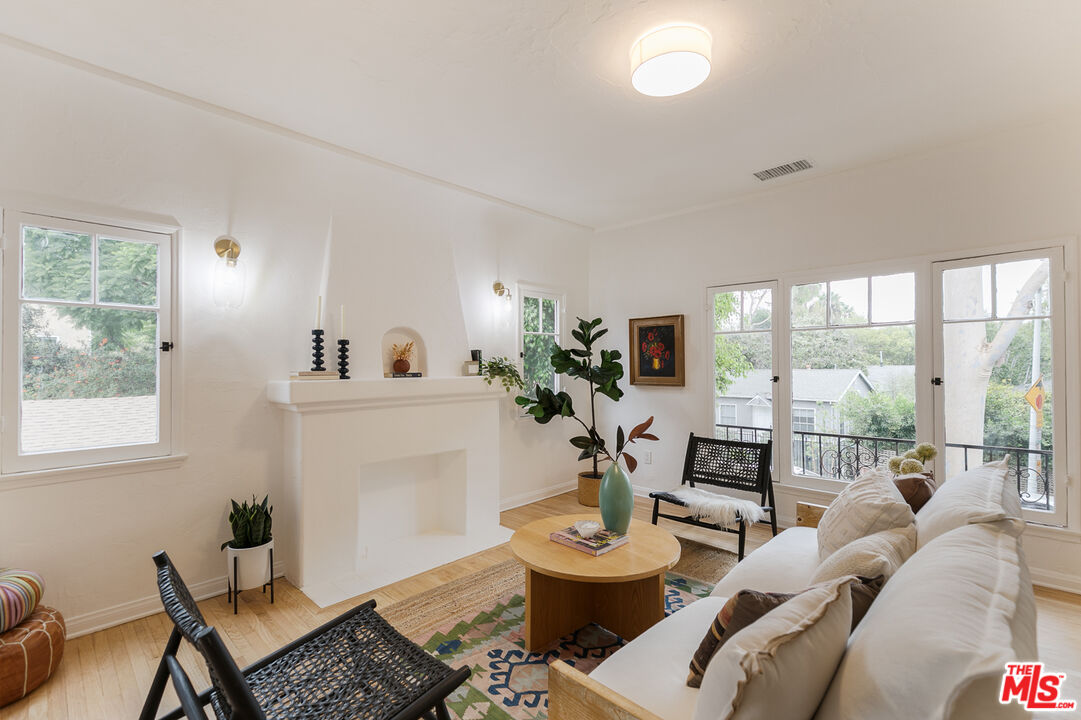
[[999, 368], [743, 325]]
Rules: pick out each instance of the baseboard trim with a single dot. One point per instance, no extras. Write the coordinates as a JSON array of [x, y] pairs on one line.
[[1056, 580], [534, 495], [90, 622]]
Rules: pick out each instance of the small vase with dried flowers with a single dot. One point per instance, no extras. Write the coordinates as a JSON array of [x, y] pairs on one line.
[[401, 354]]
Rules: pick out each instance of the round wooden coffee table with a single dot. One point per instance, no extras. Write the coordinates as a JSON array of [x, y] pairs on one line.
[[565, 589]]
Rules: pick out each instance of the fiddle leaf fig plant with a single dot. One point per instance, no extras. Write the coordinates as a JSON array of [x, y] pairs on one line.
[[250, 524], [603, 378]]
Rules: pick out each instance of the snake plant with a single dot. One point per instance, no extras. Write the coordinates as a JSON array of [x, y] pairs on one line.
[[250, 524]]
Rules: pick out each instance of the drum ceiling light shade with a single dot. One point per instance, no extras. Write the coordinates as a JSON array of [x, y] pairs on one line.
[[671, 60]]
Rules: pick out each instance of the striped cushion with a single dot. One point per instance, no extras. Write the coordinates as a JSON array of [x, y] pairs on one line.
[[20, 592]]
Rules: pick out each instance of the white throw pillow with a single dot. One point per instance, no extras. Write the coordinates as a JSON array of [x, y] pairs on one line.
[[936, 640], [869, 504], [881, 553], [980, 495], [780, 665]]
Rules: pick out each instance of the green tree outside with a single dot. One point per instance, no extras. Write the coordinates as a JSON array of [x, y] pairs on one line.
[[118, 356]]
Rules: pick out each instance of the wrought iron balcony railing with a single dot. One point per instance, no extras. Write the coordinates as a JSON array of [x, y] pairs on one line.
[[844, 457]]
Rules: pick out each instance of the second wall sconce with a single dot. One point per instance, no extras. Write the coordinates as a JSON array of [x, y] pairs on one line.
[[229, 274], [503, 292]]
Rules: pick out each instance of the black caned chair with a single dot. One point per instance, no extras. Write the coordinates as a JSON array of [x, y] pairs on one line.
[[354, 667], [724, 464]]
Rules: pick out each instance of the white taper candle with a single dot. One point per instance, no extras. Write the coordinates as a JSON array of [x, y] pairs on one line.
[[319, 313], [341, 313]]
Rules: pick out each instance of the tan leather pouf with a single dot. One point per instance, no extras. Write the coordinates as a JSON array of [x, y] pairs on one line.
[[30, 653]]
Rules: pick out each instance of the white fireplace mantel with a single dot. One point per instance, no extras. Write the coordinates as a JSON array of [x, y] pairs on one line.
[[385, 478], [315, 395]]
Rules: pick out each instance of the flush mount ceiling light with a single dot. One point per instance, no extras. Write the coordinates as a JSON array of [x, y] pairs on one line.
[[671, 60]]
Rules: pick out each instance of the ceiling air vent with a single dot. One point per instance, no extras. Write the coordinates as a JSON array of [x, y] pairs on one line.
[[787, 169]]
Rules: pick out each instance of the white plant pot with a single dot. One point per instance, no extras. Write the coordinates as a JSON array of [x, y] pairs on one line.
[[253, 566]]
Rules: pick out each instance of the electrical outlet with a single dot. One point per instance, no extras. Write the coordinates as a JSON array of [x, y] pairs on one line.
[[647, 457]]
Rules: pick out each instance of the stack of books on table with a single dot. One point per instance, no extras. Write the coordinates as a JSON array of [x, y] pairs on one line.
[[598, 544], [315, 375]]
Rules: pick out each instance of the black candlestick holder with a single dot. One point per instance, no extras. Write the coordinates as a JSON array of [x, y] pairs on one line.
[[343, 359], [317, 350]]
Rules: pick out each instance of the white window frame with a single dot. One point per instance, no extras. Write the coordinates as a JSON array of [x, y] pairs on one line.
[[814, 418], [26, 469], [711, 328], [542, 293], [1067, 454], [924, 411], [1060, 378]]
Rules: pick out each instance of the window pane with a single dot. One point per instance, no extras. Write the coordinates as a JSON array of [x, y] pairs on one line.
[[1022, 288], [757, 309], [537, 362], [893, 298], [726, 311], [726, 414], [548, 315], [848, 302], [966, 293], [127, 272], [1008, 413], [530, 314], [89, 378], [56, 265], [744, 391], [859, 383], [809, 305]]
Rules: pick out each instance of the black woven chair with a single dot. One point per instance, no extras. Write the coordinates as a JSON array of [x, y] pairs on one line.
[[726, 464], [354, 667]]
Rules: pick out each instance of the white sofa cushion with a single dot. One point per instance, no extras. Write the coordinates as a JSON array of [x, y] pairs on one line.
[[869, 504], [935, 642], [881, 553], [780, 665], [652, 670], [979, 495], [784, 564]]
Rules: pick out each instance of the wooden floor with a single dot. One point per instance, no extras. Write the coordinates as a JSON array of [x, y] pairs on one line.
[[106, 674]]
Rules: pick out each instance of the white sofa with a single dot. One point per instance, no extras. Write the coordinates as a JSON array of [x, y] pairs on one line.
[[933, 645]]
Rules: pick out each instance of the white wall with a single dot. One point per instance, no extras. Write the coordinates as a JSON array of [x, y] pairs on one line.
[[405, 251], [1017, 186]]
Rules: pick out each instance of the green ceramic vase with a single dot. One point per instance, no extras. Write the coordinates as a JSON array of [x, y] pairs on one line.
[[617, 499]]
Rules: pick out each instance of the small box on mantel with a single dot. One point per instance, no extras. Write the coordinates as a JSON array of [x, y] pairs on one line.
[[402, 375], [471, 367]]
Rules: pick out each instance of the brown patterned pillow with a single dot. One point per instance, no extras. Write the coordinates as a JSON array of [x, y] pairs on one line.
[[916, 489], [746, 606]]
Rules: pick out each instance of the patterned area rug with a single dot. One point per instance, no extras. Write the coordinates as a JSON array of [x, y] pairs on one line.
[[478, 621]]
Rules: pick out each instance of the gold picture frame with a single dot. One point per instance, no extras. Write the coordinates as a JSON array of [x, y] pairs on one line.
[[656, 356]]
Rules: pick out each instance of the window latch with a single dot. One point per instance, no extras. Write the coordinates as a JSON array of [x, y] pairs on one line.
[[775, 379], [166, 346], [936, 381]]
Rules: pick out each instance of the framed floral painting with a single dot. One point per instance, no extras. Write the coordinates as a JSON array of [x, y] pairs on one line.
[[656, 356]]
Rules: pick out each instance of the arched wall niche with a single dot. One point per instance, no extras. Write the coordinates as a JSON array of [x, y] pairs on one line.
[[418, 361]]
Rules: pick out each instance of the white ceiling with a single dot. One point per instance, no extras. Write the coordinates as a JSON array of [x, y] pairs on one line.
[[530, 101]]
